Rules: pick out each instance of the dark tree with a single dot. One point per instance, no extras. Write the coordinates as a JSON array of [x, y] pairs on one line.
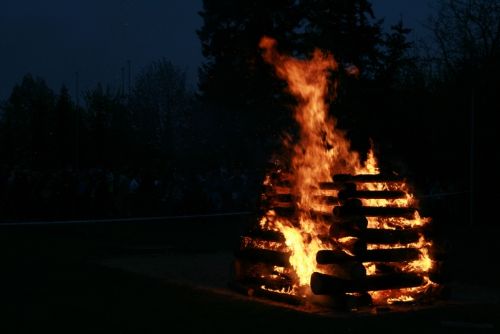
[[232, 73], [467, 36], [347, 28], [159, 104], [108, 128], [65, 128], [397, 67], [237, 87], [466, 32], [28, 124], [350, 31]]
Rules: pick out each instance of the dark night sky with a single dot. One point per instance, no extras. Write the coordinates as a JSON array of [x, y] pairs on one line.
[[56, 38]]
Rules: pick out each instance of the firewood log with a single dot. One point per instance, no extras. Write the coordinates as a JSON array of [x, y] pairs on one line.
[[385, 236], [376, 236], [277, 283], [353, 246], [267, 235], [371, 255], [349, 270], [391, 255], [365, 178], [325, 284], [329, 186], [373, 211], [371, 194], [342, 301], [347, 227], [334, 257], [243, 268]]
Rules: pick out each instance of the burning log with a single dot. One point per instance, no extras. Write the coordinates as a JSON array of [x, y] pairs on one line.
[[273, 201], [276, 189], [329, 186], [274, 283], [376, 236], [383, 236], [353, 203], [373, 211], [251, 243], [329, 200], [276, 296], [367, 178], [267, 235], [349, 227], [336, 232], [264, 255], [322, 284], [371, 255], [350, 270], [342, 301], [391, 255], [279, 205], [291, 213], [243, 269], [289, 199], [272, 295], [334, 257], [371, 194], [351, 222], [353, 246], [387, 268]]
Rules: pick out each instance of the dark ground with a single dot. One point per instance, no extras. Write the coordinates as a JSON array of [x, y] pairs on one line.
[[171, 276]]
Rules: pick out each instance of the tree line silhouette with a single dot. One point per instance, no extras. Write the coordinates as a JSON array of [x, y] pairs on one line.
[[428, 109]]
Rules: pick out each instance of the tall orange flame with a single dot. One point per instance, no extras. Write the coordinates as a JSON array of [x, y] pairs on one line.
[[322, 148], [321, 151]]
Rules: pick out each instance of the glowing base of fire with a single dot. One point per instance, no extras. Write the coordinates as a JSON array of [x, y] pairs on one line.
[[305, 237]]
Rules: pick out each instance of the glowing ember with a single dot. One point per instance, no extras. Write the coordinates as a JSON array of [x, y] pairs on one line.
[[401, 299]]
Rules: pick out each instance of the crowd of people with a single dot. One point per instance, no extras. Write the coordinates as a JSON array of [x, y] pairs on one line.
[[108, 193]]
